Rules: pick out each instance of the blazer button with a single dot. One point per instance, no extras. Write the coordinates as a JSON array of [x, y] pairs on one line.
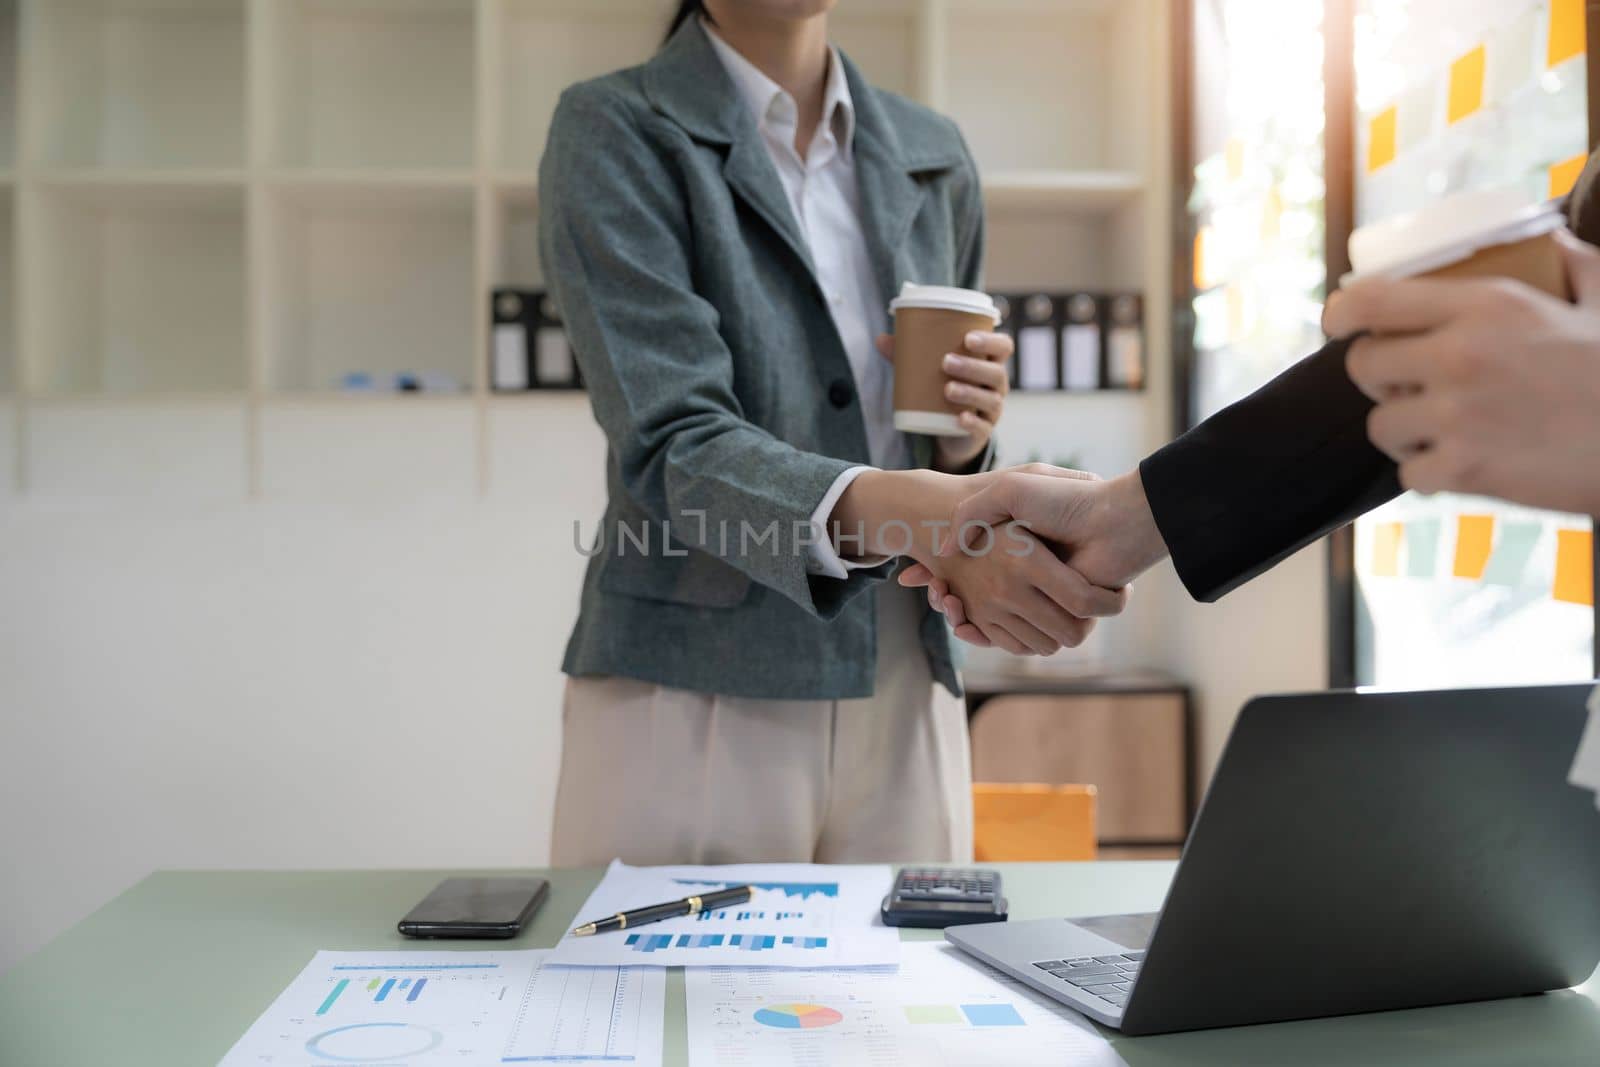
[[840, 393]]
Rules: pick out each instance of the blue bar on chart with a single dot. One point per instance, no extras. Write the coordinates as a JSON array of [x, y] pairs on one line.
[[384, 991], [403, 983], [992, 1015], [416, 990], [338, 988], [747, 942]]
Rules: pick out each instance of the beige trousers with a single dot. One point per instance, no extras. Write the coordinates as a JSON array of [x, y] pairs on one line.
[[653, 775]]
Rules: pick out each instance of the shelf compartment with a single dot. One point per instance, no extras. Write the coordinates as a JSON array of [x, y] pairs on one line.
[[1096, 249], [1000, 63], [364, 84], [514, 239], [9, 27], [135, 290], [543, 48], [369, 281], [152, 84], [1061, 190]]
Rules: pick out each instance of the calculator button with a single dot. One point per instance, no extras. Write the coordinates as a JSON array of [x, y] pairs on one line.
[[1124, 987], [1110, 959]]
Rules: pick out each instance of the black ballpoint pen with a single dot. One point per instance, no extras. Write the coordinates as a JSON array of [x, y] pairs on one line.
[[656, 912]]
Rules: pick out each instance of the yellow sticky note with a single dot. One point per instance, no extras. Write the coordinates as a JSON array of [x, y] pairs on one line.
[[1386, 537], [1381, 138], [1564, 175], [1466, 84], [1474, 538], [1236, 312], [1567, 32], [1235, 156], [1574, 566]]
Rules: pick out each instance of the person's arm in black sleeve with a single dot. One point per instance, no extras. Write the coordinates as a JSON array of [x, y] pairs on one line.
[[1260, 480]]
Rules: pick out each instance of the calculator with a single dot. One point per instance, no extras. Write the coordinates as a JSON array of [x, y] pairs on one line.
[[942, 896]]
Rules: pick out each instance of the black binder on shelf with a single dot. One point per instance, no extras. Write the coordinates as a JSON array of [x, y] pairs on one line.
[[1036, 364], [528, 347], [1125, 342], [1083, 354]]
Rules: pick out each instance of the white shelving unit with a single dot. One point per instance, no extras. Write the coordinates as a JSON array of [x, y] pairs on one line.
[[214, 211]]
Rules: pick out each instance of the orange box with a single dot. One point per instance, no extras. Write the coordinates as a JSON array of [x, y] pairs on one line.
[[1033, 823]]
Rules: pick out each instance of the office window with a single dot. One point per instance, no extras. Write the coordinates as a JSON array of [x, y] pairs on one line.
[[1457, 95], [1257, 200]]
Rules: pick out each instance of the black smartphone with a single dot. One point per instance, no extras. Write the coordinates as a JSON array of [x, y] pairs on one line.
[[476, 907]]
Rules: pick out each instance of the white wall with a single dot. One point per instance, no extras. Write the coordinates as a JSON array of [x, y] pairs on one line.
[[283, 682]]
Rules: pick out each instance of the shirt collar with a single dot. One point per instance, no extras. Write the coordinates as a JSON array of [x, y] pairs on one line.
[[770, 102]]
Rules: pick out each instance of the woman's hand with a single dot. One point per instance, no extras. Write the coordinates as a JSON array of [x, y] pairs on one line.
[[979, 383], [1022, 597]]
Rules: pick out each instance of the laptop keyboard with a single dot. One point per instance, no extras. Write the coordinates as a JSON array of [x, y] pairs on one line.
[[1110, 978]]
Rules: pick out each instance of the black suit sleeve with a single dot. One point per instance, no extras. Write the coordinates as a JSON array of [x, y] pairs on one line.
[[1262, 479]]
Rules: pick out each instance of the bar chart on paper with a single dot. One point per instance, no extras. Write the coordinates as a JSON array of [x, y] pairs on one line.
[[797, 916], [936, 1010], [458, 1008]]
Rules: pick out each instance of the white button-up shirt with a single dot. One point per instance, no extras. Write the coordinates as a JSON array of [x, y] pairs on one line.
[[826, 201]]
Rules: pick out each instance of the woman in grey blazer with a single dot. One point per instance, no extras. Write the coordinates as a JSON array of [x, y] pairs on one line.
[[722, 229]]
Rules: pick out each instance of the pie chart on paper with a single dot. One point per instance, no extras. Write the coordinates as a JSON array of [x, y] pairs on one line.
[[798, 1016]]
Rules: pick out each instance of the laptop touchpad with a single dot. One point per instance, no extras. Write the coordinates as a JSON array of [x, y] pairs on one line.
[[1129, 931]]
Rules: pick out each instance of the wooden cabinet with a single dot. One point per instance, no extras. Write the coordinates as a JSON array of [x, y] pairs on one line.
[[1131, 740]]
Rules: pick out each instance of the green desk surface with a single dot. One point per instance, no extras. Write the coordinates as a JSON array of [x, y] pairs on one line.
[[173, 971]]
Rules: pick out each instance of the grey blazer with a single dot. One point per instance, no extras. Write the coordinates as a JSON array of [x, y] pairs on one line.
[[716, 372]]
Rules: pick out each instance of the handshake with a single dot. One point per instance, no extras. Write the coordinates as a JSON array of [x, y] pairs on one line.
[[1024, 559]]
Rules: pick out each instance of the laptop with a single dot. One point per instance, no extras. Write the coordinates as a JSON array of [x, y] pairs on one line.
[[1356, 852]]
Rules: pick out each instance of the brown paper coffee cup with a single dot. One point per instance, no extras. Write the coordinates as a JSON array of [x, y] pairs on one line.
[[1488, 234], [930, 321]]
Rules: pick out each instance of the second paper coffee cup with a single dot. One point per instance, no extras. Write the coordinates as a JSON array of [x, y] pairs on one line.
[[1483, 234], [930, 321]]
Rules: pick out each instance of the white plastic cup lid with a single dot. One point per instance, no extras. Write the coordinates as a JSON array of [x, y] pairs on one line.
[[945, 297], [1447, 232]]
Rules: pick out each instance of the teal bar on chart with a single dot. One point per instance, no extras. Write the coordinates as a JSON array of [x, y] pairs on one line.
[[338, 988]]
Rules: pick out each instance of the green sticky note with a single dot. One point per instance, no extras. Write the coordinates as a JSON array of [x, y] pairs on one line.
[[1422, 547], [1511, 554], [932, 1013]]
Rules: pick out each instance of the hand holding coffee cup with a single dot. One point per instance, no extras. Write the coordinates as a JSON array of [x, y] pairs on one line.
[[1485, 370], [950, 374]]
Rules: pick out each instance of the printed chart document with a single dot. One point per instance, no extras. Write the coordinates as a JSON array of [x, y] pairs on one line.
[[1586, 767], [463, 1008], [802, 915], [939, 1009]]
